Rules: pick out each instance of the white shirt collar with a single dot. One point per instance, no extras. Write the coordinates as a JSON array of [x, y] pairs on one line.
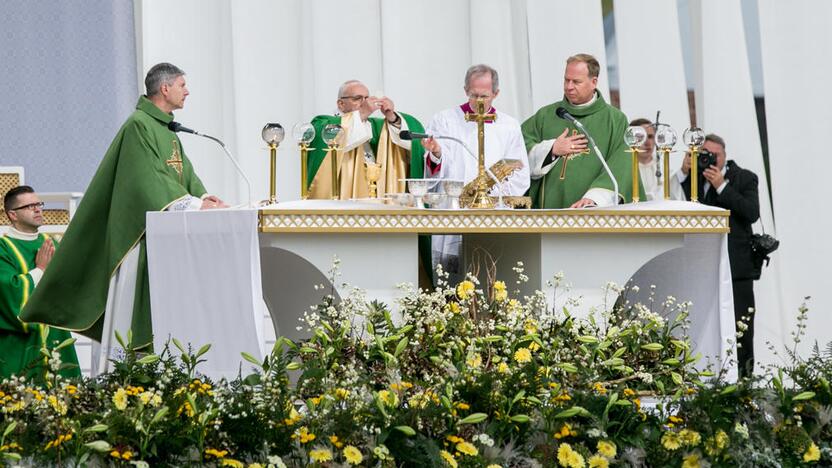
[[588, 103], [19, 235]]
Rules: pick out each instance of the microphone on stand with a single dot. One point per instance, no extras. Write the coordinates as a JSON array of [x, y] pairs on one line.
[[178, 127], [409, 136], [564, 114]]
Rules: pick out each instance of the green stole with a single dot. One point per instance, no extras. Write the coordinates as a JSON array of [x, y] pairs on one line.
[[145, 169], [20, 342], [607, 125], [395, 161]]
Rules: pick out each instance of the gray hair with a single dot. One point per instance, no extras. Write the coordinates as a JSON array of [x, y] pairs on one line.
[[346, 85], [482, 69], [159, 74]]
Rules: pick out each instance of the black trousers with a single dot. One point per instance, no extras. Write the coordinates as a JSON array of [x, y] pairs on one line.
[[743, 300]]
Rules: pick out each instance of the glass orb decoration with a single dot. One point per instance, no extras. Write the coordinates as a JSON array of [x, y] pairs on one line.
[[272, 134], [303, 133], [694, 136], [635, 136], [330, 134], [665, 137]]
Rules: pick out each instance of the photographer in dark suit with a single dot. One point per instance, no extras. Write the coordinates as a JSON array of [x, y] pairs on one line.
[[726, 185]]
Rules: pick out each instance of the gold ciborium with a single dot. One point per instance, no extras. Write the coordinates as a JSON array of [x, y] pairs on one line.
[[694, 137], [665, 140], [634, 137], [304, 133], [272, 134], [373, 174]]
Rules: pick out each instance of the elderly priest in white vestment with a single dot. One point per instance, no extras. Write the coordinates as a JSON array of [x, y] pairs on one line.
[[449, 159]]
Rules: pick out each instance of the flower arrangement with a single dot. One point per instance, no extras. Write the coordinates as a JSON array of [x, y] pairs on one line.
[[471, 375]]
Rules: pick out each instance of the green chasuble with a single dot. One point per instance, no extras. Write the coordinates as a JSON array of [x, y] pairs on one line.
[[584, 171], [20, 342], [145, 169], [396, 162]]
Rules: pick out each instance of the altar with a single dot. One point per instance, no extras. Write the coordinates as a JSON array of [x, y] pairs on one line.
[[678, 248]]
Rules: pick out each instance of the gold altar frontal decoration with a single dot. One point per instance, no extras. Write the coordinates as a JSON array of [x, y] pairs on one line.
[[493, 221]]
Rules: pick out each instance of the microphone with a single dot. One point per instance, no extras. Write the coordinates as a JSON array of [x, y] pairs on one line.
[[408, 135], [564, 114], [178, 127]]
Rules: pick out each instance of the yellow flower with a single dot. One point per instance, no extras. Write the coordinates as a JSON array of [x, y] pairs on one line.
[[320, 455], [493, 465], [513, 305], [717, 443], [691, 461], [675, 420], [568, 457], [500, 293], [115, 454], [530, 327], [255, 465], [388, 398], [462, 405], [58, 405], [565, 431], [474, 361], [454, 439], [690, 438], [448, 458], [120, 399], [502, 368], [187, 409], [232, 463], [337, 443], [453, 307], [597, 461], [216, 453], [353, 455], [523, 355], [156, 400], [607, 448], [599, 389], [467, 448], [465, 289], [812, 454], [628, 393], [671, 441], [145, 397], [294, 417], [71, 389], [304, 435], [126, 455]]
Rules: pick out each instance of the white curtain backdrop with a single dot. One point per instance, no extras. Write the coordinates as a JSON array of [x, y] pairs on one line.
[[797, 42], [261, 61]]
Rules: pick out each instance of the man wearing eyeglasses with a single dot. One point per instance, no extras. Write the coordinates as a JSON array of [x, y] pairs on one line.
[[24, 255], [363, 140]]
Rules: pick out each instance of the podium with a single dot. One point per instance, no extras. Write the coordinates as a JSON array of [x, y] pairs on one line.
[[678, 247]]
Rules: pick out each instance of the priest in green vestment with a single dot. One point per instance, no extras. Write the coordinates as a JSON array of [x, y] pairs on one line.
[[24, 256], [364, 140], [102, 264], [564, 171]]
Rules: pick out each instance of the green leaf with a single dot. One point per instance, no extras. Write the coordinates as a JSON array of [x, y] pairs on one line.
[[588, 339], [149, 359], [520, 418], [9, 428], [568, 367], [804, 396], [573, 411], [161, 414], [204, 349], [120, 339], [671, 362], [728, 389], [99, 446], [474, 418], [677, 379], [401, 347], [248, 357], [660, 385], [97, 428], [534, 400], [406, 430], [178, 345], [493, 339], [293, 366], [652, 347], [619, 352], [518, 396], [65, 343], [680, 345], [308, 350]]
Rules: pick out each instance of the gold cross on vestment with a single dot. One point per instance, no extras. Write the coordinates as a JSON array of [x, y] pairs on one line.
[[175, 160], [567, 157], [481, 199]]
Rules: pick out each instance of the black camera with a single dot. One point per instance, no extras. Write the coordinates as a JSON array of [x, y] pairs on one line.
[[705, 160]]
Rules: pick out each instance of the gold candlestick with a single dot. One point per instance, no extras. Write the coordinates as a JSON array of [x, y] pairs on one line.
[[634, 151], [373, 173], [481, 199], [336, 183], [272, 175], [666, 172], [694, 173], [304, 154]]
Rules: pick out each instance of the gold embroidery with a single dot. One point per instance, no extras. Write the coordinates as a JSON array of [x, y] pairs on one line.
[[568, 157], [175, 160]]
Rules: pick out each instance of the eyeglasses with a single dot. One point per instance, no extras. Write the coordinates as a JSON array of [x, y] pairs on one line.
[[30, 206], [355, 98]]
